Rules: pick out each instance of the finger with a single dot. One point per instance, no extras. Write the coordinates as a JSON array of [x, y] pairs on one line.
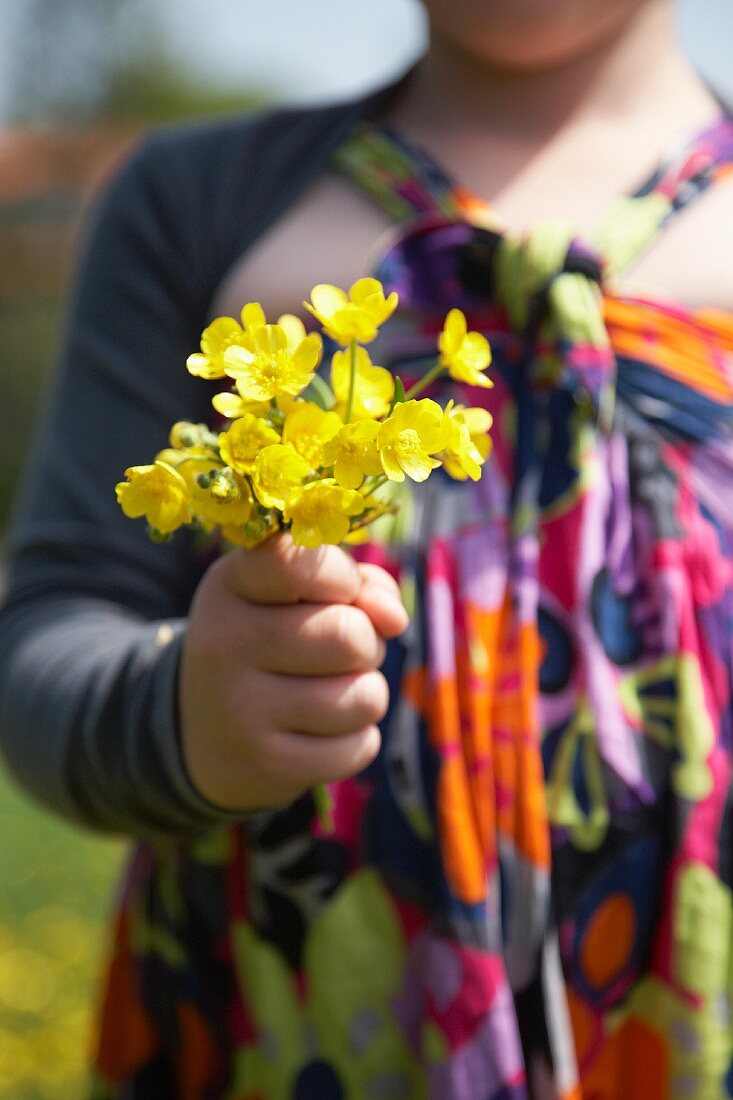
[[281, 573], [312, 640], [297, 762], [379, 597], [375, 574], [328, 706]]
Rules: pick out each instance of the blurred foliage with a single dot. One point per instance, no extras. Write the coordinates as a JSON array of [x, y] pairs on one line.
[[78, 61], [88, 75], [160, 92], [27, 361]]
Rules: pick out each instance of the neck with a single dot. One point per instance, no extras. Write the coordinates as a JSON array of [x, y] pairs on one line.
[[638, 67]]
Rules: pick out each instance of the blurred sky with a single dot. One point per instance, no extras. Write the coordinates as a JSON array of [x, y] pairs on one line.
[[325, 48]]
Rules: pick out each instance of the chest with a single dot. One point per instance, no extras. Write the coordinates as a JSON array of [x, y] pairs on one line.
[[333, 232]]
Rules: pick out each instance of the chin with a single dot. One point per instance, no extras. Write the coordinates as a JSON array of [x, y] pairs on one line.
[[530, 34]]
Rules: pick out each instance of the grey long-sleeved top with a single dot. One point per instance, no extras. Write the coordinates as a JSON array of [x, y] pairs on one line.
[[92, 625]]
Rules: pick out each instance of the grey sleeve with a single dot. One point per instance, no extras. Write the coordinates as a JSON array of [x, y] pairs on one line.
[[92, 623]]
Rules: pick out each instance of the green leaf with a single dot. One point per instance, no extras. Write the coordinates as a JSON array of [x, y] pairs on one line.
[[399, 395], [320, 393]]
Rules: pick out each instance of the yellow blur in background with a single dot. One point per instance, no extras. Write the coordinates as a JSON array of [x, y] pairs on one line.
[[57, 889]]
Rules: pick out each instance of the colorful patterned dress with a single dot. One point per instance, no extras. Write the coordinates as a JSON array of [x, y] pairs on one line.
[[528, 894]]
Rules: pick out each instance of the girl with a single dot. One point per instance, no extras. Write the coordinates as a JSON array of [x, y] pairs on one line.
[[528, 890]]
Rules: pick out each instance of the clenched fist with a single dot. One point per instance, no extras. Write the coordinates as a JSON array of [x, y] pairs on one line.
[[279, 684]]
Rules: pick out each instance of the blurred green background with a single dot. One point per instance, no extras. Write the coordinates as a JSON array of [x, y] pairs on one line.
[[63, 140]]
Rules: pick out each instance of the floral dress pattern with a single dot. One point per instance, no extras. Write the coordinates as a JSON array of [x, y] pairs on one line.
[[529, 893]]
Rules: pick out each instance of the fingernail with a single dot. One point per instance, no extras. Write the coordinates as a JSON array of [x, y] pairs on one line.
[[399, 609]]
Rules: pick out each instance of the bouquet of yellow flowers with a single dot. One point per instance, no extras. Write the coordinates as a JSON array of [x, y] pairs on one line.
[[301, 455]]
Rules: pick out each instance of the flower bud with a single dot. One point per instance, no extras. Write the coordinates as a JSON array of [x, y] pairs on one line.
[[223, 486], [184, 435]]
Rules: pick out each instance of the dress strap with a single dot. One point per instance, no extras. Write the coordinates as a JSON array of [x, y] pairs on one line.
[[406, 182], [403, 179], [633, 222]]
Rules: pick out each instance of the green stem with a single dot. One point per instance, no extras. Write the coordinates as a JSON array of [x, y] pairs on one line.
[[428, 379], [370, 517], [352, 380], [372, 484]]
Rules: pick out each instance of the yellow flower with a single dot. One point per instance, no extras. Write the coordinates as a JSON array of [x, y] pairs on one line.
[[171, 456], [229, 514], [278, 472], [466, 444], [307, 428], [353, 316], [227, 498], [373, 386], [409, 437], [157, 492], [193, 438], [277, 359], [188, 462], [258, 528], [353, 453], [243, 440], [221, 334], [465, 354], [358, 537], [321, 512], [226, 501], [237, 535], [232, 406]]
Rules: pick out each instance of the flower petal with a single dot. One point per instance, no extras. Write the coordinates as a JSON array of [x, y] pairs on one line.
[[365, 288], [327, 299], [229, 405], [235, 358], [391, 466], [307, 353], [347, 471], [418, 465], [219, 335], [201, 366], [293, 328], [253, 316]]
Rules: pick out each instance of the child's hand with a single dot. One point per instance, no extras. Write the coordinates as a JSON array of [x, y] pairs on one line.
[[279, 685]]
